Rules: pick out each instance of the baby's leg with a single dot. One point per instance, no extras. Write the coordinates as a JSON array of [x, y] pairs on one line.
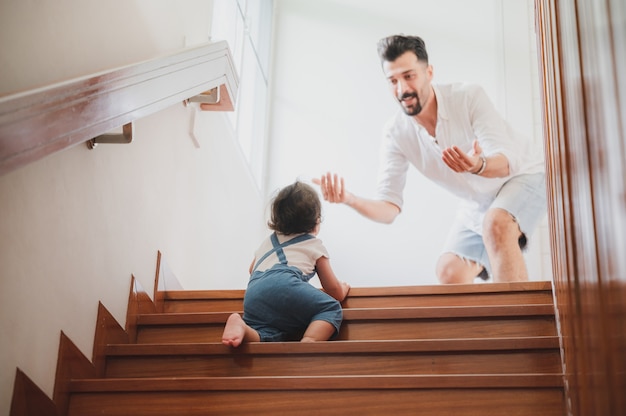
[[318, 331], [236, 331]]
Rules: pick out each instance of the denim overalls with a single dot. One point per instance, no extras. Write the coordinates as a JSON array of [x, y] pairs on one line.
[[279, 303]]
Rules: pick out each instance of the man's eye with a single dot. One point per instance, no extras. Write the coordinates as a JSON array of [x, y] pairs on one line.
[[409, 76]]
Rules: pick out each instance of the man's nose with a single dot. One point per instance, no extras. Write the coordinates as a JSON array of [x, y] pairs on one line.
[[401, 88]]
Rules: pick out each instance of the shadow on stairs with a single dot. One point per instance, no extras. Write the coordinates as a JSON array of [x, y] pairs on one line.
[[489, 349]]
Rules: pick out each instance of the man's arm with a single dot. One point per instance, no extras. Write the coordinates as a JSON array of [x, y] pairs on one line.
[[374, 209], [333, 190]]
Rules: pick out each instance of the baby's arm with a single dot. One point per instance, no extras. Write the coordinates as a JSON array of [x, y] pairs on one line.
[[330, 283]]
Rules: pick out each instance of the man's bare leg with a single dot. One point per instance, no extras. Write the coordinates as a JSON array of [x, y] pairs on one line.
[[237, 331], [501, 234], [318, 331], [452, 269]]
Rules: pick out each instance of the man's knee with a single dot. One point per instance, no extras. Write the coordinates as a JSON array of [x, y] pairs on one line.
[[499, 226], [446, 273], [453, 269]]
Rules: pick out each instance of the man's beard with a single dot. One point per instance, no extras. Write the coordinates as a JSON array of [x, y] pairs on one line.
[[411, 111]]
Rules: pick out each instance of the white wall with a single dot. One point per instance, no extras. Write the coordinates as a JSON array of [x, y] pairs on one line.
[[77, 224], [330, 101]]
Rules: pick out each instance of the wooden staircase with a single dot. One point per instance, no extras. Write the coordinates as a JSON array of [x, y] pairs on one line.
[[484, 349], [436, 350]]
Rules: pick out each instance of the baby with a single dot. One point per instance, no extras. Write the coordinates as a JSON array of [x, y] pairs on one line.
[[279, 303]]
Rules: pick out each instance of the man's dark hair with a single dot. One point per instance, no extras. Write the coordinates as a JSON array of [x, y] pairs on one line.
[[296, 209], [392, 47]]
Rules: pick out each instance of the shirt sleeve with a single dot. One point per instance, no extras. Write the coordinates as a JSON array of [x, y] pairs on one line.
[[316, 249], [492, 131], [393, 166]]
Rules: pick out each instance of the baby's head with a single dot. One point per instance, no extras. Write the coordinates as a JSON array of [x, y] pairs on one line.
[[296, 209]]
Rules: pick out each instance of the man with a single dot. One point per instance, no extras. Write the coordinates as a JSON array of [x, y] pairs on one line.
[[454, 136]]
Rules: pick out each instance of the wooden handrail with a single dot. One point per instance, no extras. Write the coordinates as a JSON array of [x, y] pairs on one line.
[[36, 123]]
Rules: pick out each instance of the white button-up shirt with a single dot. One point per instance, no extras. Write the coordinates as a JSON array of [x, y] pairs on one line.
[[464, 113]]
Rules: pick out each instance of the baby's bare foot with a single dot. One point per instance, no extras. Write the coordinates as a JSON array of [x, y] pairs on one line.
[[234, 331]]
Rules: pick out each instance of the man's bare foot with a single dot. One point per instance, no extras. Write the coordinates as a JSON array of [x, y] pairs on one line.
[[234, 331]]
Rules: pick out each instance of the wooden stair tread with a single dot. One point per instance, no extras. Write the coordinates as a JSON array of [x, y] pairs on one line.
[[333, 347], [333, 358], [430, 312], [383, 291], [448, 312], [366, 297], [463, 381]]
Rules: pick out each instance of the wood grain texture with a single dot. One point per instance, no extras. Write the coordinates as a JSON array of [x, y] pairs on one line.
[[108, 331], [425, 359], [164, 279], [451, 356], [28, 399], [374, 401], [582, 61], [138, 303], [305, 382], [71, 364], [400, 296]]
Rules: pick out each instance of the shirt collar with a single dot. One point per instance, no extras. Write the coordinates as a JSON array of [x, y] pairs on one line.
[[442, 111]]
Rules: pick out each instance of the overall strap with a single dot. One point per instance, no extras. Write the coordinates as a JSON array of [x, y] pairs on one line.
[[278, 248]]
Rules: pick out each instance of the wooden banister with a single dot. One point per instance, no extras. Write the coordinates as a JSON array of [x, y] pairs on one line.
[[36, 123]]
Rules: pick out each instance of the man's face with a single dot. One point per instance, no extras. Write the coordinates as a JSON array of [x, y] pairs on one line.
[[409, 81]]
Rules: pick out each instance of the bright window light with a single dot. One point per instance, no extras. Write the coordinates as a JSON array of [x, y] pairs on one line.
[[247, 27]]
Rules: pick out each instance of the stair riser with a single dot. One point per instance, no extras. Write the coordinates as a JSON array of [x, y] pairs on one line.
[[375, 330], [441, 329], [245, 365], [203, 305], [440, 402], [480, 299]]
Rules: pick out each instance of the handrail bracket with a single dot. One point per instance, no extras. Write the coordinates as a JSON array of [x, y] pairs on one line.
[[125, 137]]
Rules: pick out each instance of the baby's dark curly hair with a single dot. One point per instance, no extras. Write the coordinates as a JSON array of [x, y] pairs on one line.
[[296, 209]]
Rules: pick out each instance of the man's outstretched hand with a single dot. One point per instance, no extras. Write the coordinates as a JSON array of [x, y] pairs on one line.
[[334, 190], [332, 187], [459, 161]]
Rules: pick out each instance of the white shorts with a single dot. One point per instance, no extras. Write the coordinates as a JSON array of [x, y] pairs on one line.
[[524, 197]]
